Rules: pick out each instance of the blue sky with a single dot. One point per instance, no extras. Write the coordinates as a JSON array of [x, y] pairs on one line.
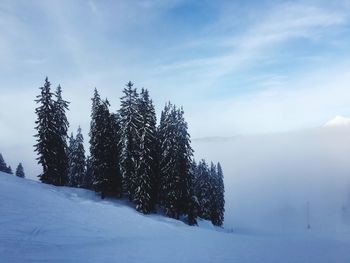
[[236, 66]]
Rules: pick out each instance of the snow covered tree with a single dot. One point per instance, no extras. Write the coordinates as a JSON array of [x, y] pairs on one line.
[[203, 190], [96, 142], [76, 157], [218, 218], [9, 170], [193, 208], [60, 147], [3, 165], [113, 151], [175, 162], [104, 150], [51, 127], [146, 167], [88, 179], [209, 189], [46, 134], [130, 122], [20, 171], [214, 198]]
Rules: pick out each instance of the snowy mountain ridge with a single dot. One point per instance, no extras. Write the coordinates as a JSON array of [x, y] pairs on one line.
[[338, 121]]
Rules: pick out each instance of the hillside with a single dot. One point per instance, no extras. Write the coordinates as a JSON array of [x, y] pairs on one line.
[[59, 224]]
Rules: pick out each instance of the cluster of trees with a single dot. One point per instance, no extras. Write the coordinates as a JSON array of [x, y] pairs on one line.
[[7, 169], [130, 156], [209, 189]]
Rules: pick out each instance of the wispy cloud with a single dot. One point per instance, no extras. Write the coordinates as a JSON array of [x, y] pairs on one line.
[[274, 28], [247, 66]]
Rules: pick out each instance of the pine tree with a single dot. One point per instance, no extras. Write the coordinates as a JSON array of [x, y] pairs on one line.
[[220, 197], [203, 190], [185, 153], [46, 134], [76, 156], [104, 148], [146, 166], [20, 171], [97, 148], [175, 162], [112, 147], [88, 179], [96, 141], [60, 146], [193, 209], [215, 196], [3, 165], [51, 127], [9, 170], [71, 164], [209, 189], [130, 122]]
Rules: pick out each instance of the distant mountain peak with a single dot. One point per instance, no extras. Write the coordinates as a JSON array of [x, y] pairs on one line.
[[338, 121]]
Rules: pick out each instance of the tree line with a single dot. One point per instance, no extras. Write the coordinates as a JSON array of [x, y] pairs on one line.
[[130, 156], [7, 169]]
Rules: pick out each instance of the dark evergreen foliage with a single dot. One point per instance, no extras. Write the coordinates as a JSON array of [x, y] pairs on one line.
[[209, 189], [113, 152], [60, 145], [88, 179], [220, 191], [130, 123], [175, 162], [203, 190], [3, 165], [76, 160], [146, 166], [20, 171], [193, 208], [104, 149], [9, 170], [46, 133], [128, 154]]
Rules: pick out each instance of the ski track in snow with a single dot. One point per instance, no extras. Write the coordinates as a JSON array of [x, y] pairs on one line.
[[43, 223]]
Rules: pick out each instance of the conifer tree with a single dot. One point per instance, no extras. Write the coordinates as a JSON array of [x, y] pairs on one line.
[[76, 157], [20, 171], [175, 162], [9, 170], [146, 167], [51, 127], [203, 190], [97, 145], [3, 165], [46, 134], [112, 149], [104, 148], [130, 122], [214, 198], [193, 209], [220, 197], [88, 179], [60, 146], [96, 141]]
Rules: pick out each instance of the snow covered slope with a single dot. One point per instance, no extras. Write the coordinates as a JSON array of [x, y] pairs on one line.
[[43, 223]]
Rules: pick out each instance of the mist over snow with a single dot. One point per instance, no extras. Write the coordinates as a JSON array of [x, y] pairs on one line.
[[270, 178]]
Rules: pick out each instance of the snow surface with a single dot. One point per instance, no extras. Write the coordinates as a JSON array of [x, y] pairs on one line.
[[338, 121], [44, 223]]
